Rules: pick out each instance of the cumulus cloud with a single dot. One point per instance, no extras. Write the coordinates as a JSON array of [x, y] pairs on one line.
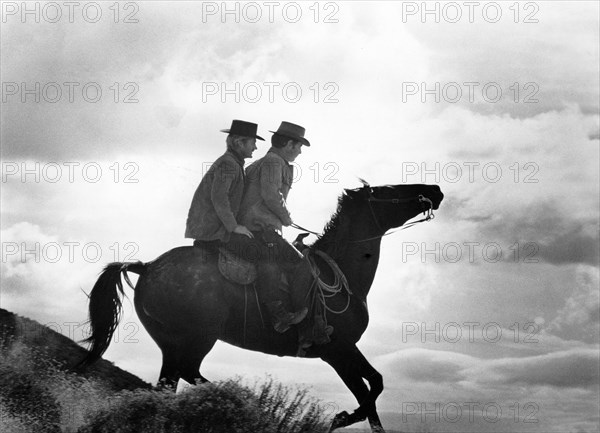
[[574, 368], [422, 365], [371, 132], [43, 274], [21, 249], [547, 234], [579, 318], [543, 193], [561, 36]]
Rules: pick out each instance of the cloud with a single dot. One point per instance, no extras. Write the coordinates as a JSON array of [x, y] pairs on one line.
[[574, 368], [422, 365], [546, 234], [21, 248], [579, 318], [43, 274], [543, 193], [561, 36], [370, 132], [579, 244], [169, 116], [153, 69]]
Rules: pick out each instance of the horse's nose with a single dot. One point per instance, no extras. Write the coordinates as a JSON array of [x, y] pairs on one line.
[[438, 199], [436, 195]]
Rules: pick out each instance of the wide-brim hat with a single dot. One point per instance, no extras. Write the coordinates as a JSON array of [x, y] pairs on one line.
[[290, 130], [243, 129]]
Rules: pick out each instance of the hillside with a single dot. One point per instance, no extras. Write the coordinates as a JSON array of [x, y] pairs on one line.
[[63, 350], [40, 393]]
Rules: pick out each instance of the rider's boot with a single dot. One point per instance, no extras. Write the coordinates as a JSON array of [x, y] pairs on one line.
[[321, 331], [283, 319], [269, 283], [311, 331], [316, 333]]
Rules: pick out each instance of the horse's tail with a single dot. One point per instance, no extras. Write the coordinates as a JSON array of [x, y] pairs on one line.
[[105, 307]]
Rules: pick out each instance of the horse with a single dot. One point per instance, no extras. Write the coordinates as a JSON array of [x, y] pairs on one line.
[[186, 305]]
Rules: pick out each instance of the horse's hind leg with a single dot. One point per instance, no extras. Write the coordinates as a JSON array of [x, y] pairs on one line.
[[164, 338], [191, 355], [169, 373]]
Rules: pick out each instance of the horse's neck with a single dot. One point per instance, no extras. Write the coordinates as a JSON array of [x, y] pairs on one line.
[[357, 254], [354, 243], [359, 264]]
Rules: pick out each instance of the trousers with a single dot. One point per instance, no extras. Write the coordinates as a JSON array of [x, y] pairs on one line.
[[266, 247], [271, 253]]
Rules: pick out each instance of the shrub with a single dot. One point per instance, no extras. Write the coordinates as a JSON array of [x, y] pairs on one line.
[[37, 396], [26, 399], [225, 407]]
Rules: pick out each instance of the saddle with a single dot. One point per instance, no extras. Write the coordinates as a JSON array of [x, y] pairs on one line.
[[236, 269], [242, 272]]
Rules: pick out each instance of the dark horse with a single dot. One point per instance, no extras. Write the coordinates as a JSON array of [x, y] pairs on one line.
[[186, 305]]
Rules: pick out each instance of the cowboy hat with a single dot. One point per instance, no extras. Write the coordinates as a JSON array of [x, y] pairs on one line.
[[243, 129], [290, 130]]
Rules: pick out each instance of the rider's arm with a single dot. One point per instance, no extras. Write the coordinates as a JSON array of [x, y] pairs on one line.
[[271, 180], [226, 177]]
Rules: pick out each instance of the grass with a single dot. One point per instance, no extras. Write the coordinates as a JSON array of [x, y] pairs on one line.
[[37, 395], [224, 407]]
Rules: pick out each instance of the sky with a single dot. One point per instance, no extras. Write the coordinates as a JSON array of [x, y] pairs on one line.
[[484, 319]]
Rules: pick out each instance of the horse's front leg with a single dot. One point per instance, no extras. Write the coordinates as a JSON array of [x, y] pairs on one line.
[[352, 367]]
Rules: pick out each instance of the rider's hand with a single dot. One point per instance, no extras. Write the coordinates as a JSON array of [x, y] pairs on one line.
[[242, 230], [287, 221]]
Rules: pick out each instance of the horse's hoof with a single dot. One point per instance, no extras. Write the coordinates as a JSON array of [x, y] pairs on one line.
[[342, 419], [183, 386]]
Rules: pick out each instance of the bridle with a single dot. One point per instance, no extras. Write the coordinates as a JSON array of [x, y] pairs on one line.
[[420, 199], [319, 288]]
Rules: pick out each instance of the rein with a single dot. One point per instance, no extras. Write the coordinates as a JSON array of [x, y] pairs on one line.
[[420, 198], [321, 290], [299, 227]]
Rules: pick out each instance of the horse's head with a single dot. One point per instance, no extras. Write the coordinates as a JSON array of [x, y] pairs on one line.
[[392, 205]]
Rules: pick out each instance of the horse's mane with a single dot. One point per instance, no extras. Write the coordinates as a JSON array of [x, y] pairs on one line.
[[335, 233]]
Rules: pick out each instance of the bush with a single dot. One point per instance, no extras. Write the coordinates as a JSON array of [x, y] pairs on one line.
[[37, 396], [290, 409], [25, 399], [11, 423], [225, 407]]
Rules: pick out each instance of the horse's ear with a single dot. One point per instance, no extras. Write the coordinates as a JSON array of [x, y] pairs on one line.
[[352, 192], [356, 191]]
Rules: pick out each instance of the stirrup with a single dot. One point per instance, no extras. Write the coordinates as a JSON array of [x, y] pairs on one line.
[[283, 324], [283, 319], [323, 337]]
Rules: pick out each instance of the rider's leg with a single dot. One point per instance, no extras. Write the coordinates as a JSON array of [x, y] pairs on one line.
[[249, 249], [269, 283], [266, 255], [279, 254], [314, 330], [300, 279]]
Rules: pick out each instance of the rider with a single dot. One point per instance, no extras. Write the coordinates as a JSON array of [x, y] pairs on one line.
[[264, 212], [213, 215]]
